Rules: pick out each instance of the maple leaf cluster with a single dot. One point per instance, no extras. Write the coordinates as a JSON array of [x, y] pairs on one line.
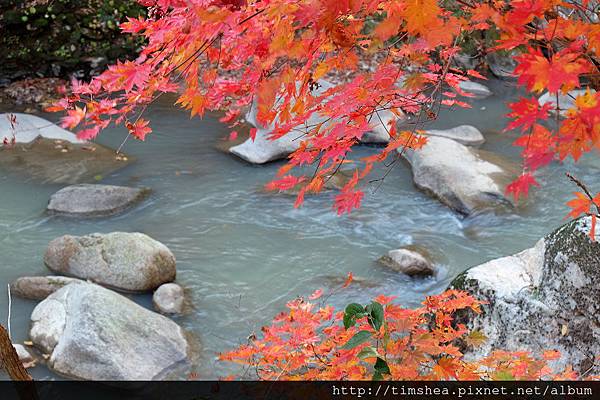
[[223, 55], [382, 341]]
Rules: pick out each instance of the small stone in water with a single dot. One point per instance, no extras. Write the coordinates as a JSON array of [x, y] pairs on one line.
[[482, 108]]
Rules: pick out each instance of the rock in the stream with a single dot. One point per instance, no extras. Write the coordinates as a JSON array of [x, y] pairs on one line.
[[25, 356], [478, 90], [39, 287], [126, 261], [502, 65], [464, 134], [565, 101], [94, 200], [262, 150], [93, 333], [463, 178], [381, 122], [409, 262], [544, 298], [169, 299], [50, 154]]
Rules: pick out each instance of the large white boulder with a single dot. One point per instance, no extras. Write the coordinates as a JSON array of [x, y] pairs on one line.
[[93, 333], [459, 176], [543, 298], [125, 261]]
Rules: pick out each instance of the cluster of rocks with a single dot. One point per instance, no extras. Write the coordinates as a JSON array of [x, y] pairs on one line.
[[82, 326], [89, 331]]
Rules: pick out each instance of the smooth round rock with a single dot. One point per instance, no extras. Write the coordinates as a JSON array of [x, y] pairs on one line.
[[93, 200], [125, 261], [169, 299], [409, 262]]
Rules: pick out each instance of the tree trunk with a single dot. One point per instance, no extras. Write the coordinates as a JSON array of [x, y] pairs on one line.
[[9, 359]]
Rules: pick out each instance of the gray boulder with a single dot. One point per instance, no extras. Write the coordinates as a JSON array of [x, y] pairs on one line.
[[39, 287], [93, 200], [381, 122], [93, 333], [463, 134], [409, 262], [543, 298], [478, 90], [125, 261], [465, 179], [502, 64], [169, 299]]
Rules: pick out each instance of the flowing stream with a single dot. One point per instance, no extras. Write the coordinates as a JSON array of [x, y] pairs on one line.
[[242, 253]]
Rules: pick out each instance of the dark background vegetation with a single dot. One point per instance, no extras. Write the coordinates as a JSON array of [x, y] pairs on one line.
[[57, 38]]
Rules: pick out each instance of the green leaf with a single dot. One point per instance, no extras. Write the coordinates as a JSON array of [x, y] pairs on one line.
[[377, 376], [381, 366], [352, 312], [376, 312], [354, 308], [358, 338], [349, 320], [368, 352]]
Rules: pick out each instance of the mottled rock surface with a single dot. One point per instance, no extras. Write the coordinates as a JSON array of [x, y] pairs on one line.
[[125, 261], [465, 179], [94, 200], [169, 299], [543, 298], [93, 333], [39, 287], [409, 262]]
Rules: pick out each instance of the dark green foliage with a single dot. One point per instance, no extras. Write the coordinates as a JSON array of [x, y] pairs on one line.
[[59, 37]]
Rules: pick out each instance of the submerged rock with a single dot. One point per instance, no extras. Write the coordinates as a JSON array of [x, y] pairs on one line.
[[478, 90], [543, 298], [463, 178], [93, 333], [93, 200], [39, 287], [464, 134], [409, 262], [126, 261], [50, 154], [169, 299]]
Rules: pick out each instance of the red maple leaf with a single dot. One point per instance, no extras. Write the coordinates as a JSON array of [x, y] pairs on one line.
[[520, 186], [139, 129], [526, 112]]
